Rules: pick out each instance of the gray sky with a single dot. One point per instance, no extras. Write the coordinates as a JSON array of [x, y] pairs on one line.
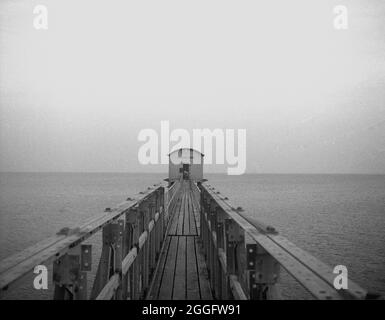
[[74, 97]]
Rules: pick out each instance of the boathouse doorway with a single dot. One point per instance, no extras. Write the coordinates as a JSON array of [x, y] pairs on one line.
[[186, 171]]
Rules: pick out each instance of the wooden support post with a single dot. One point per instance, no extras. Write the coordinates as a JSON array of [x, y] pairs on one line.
[[202, 222], [234, 239], [162, 217], [207, 231], [110, 257], [214, 261], [70, 274], [222, 290], [156, 228], [118, 245], [133, 220], [153, 244], [207, 236], [201, 219], [263, 273], [128, 243]]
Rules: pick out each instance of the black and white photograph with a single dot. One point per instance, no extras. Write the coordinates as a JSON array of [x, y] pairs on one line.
[[189, 155]]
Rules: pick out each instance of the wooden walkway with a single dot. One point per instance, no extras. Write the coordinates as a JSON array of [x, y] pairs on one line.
[[153, 248], [182, 272]]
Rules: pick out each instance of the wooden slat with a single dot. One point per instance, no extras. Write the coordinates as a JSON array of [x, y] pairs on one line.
[[193, 227], [192, 282], [196, 214], [165, 292], [154, 294], [179, 291], [204, 284], [181, 215], [27, 253], [110, 288], [236, 288], [186, 226], [324, 271], [129, 260], [175, 216]]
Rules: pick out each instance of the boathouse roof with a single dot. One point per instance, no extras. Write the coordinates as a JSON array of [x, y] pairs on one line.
[[190, 149]]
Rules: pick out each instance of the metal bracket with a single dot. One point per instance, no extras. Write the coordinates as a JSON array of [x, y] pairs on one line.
[[66, 270], [233, 231], [86, 257], [251, 255]]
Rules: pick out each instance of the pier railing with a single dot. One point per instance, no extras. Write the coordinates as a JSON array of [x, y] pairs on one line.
[[132, 235], [244, 256]]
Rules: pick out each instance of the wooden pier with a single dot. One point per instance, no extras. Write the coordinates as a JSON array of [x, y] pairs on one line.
[[182, 272], [177, 240]]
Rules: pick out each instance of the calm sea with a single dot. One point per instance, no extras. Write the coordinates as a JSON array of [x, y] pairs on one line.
[[338, 218]]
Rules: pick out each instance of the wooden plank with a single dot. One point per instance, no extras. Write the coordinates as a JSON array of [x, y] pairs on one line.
[[192, 282], [179, 291], [193, 227], [129, 260], [204, 282], [19, 257], [181, 215], [196, 215], [321, 269], [236, 288], [154, 294], [186, 225], [167, 283], [175, 216], [110, 288]]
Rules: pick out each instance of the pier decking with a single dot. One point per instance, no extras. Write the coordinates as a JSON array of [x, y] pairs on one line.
[[182, 272]]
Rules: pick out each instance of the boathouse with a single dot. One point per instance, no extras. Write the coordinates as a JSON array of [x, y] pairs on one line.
[[186, 163]]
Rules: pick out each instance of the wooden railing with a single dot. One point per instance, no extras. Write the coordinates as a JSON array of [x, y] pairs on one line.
[[244, 256], [132, 233]]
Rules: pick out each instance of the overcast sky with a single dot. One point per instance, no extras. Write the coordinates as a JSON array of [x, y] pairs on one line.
[[74, 97]]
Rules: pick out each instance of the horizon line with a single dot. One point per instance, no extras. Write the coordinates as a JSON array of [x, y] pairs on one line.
[[217, 173]]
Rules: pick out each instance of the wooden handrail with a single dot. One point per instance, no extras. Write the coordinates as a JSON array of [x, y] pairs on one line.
[[312, 274], [243, 255], [68, 242]]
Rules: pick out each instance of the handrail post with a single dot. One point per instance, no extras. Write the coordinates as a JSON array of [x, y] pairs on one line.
[[119, 253], [214, 261], [222, 293], [202, 222], [263, 272], [111, 237], [162, 216], [152, 235], [145, 213], [206, 236], [69, 274], [133, 219], [234, 242], [128, 242]]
